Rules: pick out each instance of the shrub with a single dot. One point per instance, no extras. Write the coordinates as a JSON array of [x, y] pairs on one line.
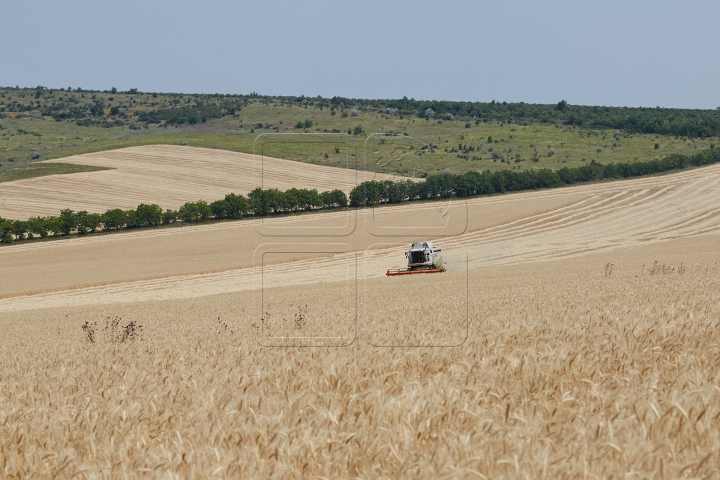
[[551, 152], [467, 124], [598, 150], [429, 113], [490, 139], [657, 145], [383, 140], [35, 155], [358, 130], [615, 144], [354, 113]]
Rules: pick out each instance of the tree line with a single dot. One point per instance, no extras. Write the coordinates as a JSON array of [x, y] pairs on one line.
[[477, 183], [272, 201], [258, 203]]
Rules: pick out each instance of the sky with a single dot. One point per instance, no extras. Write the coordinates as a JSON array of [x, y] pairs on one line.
[[615, 53]]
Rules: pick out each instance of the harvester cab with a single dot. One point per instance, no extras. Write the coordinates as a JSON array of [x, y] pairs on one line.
[[422, 257]]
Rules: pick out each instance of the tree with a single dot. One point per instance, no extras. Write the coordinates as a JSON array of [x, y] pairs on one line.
[[90, 221], [21, 228], [561, 105], [7, 237], [489, 140], [195, 211], [68, 221], [170, 216], [237, 205], [429, 113], [358, 130], [38, 226], [334, 198], [113, 219], [53, 225], [113, 90], [149, 215]]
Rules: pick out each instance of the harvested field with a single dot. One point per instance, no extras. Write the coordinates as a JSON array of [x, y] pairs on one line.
[[166, 175], [575, 335]]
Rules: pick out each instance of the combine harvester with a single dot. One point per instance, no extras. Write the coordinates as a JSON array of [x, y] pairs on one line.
[[422, 258]]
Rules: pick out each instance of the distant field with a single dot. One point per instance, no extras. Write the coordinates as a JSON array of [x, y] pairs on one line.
[[162, 174], [454, 147]]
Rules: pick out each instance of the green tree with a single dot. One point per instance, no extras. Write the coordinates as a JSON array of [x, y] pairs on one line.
[[38, 226], [170, 216], [232, 206], [68, 221], [113, 219], [149, 215], [334, 198], [53, 225], [21, 229], [195, 211]]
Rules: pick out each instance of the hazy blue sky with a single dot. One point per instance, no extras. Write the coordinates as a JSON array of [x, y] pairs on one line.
[[634, 53]]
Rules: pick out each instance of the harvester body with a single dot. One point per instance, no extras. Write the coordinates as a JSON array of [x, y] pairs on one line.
[[422, 257]]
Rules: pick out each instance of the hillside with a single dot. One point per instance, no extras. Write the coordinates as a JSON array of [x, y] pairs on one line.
[[457, 136], [165, 175]]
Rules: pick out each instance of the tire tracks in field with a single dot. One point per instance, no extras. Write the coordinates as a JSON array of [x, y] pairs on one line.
[[606, 217]]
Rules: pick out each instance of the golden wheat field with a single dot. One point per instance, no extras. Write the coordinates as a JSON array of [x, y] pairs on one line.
[[576, 334]]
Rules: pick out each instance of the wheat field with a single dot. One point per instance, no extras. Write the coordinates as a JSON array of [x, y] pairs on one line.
[[167, 175], [576, 334]]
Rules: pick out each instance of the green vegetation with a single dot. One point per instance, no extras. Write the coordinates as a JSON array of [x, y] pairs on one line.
[[476, 183], [30, 170], [456, 136], [261, 202]]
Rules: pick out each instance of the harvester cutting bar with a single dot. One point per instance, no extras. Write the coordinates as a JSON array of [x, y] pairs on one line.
[[396, 271]]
